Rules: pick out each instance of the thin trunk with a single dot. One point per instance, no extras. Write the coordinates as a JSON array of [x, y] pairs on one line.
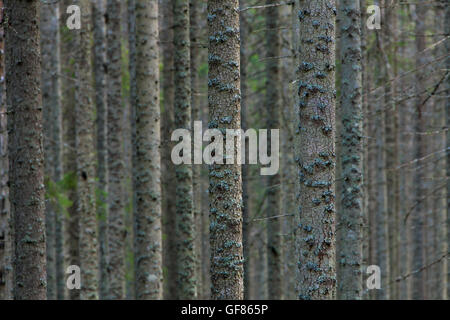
[[168, 174], [447, 137], [116, 168], [185, 220], [71, 222], [225, 180], [85, 157], [196, 112], [418, 214], [98, 19], [26, 157], [52, 138], [148, 237], [315, 151], [5, 228], [350, 219], [246, 225], [273, 105]]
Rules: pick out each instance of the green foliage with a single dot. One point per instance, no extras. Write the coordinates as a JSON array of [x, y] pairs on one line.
[[57, 192]]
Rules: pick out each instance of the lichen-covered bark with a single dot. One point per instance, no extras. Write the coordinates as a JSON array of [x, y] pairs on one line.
[[196, 115], [71, 220], [185, 223], [26, 152], [52, 141], [349, 235], [85, 155], [225, 180], [315, 151], [168, 173], [5, 228], [116, 169], [273, 105], [99, 32], [148, 237]]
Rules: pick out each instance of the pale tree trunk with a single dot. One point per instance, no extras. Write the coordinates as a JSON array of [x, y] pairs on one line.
[[116, 168], [85, 155], [52, 141], [185, 221], [168, 174], [26, 152], [99, 31], [71, 221], [350, 220], [315, 151], [196, 112], [5, 228], [225, 180], [273, 105], [148, 237]]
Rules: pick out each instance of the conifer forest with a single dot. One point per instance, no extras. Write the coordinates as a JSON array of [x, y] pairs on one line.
[[224, 149]]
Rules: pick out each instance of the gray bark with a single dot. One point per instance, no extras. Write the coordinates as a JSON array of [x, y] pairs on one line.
[[225, 180], [315, 151], [26, 152], [350, 220]]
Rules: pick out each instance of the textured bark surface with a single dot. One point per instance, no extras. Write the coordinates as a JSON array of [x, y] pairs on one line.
[[116, 168], [225, 180], [168, 173], [350, 219], [315, 151], [447, 139], [148, 237], [185, 223], [26, 152], [195, 17], [5, 229], [85, 155], [273, 105], [99, 67], [71, 221], [52, 143]]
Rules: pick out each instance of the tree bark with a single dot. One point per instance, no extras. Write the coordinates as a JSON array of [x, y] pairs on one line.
[[350, 220], [99, 31], [26, 152], [85, 157], [148, 237], [225, 180], [315, 151]]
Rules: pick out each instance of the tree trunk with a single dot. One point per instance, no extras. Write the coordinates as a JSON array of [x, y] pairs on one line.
[[315, 151], [26, 157], [350, 219], [85, 152], [52, 141], [273, 105], [98, 19], [196, 112], [168, 174], [225, 180], [116, 169], [5, 228], [148, 237], [185, 222], [68, 81]]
